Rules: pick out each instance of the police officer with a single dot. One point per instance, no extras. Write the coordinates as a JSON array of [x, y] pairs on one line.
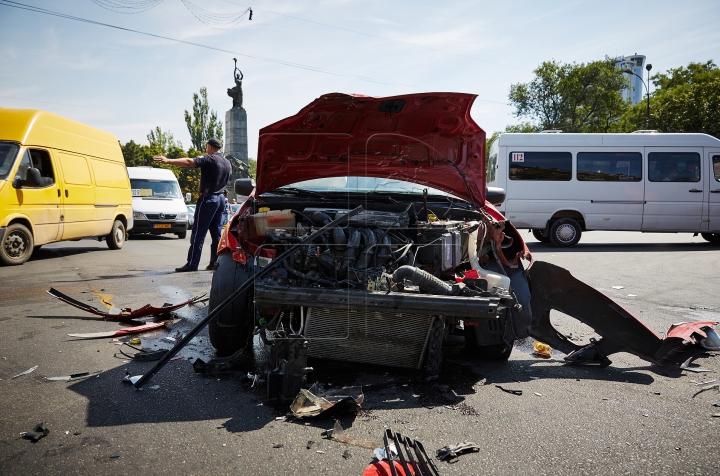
[[215, 171]]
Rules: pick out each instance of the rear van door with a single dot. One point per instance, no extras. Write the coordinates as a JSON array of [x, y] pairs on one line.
[[714, 195], [674, 189]]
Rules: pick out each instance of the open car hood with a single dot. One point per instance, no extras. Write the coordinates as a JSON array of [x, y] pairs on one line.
[[427, 138]]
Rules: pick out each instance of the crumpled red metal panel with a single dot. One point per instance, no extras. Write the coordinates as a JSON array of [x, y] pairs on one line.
[[687, 330]]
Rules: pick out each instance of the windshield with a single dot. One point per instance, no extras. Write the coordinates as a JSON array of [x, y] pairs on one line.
[[364, 185], [147, 188], [8, 152]]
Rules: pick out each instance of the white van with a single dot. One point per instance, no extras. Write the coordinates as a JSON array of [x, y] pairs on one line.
[[559, 185], [158, 205]]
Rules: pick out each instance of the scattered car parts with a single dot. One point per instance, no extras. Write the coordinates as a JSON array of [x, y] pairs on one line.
[[319, 402], [125, 313], [30, 370], [37, 433], [150, 326], [74, 377], [451, 453]]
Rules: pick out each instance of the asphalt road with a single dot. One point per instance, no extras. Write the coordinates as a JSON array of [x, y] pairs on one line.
[[630, 418]]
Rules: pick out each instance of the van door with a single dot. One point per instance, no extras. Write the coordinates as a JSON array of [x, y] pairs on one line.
[[78, 197], [674, 191], [42, 203], [714, 195]]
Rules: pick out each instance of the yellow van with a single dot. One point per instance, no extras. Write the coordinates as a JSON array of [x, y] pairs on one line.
[[59, 180]]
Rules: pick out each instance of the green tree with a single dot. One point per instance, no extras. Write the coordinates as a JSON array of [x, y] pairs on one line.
[[253, 167], [134, 154], [162, 141], [572, 97], [203, 124], [686, 99]]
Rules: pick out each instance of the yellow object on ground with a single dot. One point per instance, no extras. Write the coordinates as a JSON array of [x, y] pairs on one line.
[[541, 349]]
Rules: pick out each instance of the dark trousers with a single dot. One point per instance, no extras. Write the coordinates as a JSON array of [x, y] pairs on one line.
[[208, 217]]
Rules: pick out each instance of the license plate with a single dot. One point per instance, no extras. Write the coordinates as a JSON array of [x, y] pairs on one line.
[[163, 226]]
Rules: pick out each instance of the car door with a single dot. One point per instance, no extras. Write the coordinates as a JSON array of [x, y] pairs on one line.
[[674, 191], [78, 197], [714, 195], [40, 203]]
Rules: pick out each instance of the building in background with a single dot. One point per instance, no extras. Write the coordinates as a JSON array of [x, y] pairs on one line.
[[636, 90]]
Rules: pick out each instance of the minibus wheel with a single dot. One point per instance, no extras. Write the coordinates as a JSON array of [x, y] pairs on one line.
[[116, 238], [17, 245], [713, 238], [565, 232], [181, 235], [540, 235]]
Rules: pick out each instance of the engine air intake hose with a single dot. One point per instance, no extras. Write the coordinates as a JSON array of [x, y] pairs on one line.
[[426, 281]]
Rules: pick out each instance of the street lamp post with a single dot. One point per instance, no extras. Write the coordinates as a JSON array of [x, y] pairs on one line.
[[648, 67]]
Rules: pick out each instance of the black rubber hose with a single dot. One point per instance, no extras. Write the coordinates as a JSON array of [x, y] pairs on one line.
[[426, 281], [321, 219], [339, 240]]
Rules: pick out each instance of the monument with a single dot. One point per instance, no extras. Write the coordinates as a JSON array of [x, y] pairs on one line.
[[236, 138]]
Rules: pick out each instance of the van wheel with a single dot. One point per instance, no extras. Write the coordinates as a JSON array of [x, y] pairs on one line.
[[182, 235], [116, 238], [565, 232], [713, 238], [17, 245], [540, 235]]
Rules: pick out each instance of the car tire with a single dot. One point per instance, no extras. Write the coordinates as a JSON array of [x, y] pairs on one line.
[[232, 329], [116, 237], [565, 233], [17, 245], [540, 235], [182, 235], [499, 352], [713, 238]]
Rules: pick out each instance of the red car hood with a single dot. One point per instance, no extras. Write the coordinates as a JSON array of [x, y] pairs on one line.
[[428, 138]]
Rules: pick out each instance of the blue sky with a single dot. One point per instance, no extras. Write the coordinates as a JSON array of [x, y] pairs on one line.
[[127, 83]]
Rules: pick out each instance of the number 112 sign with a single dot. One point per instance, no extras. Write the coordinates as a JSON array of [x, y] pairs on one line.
[[518, 157]]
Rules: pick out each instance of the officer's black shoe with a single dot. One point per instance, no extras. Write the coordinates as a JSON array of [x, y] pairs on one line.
[[185, 268]]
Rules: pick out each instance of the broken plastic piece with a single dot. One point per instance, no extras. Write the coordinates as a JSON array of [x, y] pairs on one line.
[[278, 445], [318, 402], [451, 453], [37, 433], [135, 341], [507, 390], [26, 372], [150, 326], [129, 379], [115, 455], [541, 349], [125, 313], [588, 355], [73, 377], [686, 366]]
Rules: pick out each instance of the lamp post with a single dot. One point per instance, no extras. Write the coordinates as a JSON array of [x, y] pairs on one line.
[[648, 67]]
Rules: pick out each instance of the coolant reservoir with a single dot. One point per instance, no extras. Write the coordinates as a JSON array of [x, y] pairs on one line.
[[494, 280], [273, 220]]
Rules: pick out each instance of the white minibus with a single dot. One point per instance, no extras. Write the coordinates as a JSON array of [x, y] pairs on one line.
[[158, 205], [559, 185]]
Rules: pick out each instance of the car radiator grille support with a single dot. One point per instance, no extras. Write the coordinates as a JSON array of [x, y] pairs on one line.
[[370, 337]]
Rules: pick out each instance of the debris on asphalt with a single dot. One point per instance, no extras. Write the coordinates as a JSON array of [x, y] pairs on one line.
[[129, 379], [150, 326], [538, 394], [319, 402], [507, 390], [125, 313], [135, 341], [240, 360], [707, 387], [618, 287], [143, 355], [541, 349], [413, 460], [115, 455], [310, 444], [26, 372], [73, 377], [450, 453], [337, 433], [37, 433], [716, 404], [177, 357], [346, 454], [686, 366], [320, 451], [278, 445]]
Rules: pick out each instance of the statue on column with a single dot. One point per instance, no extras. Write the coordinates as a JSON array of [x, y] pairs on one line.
[[236, 92]]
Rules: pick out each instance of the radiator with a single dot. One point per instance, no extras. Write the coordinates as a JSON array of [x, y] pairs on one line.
[[380, 338]]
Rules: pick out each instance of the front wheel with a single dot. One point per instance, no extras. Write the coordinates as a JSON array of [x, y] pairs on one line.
[[565, 233], [540, 235], [17, 245], [182, 235], [713, 238], [116, 238], [232, 329]]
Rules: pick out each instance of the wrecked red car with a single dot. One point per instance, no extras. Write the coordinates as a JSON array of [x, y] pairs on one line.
[[385, 248]]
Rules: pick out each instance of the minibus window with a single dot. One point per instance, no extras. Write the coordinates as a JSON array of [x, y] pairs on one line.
[[609, 166], [674, 167], [716, 167], [40, 160], [8, 153], [540, 165]]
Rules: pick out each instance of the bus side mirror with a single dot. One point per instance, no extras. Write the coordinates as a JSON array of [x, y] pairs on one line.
[[32, 179], [188, 197], [244, 186], [495, 195]]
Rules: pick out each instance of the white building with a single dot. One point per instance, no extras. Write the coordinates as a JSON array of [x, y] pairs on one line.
[[636, 63]]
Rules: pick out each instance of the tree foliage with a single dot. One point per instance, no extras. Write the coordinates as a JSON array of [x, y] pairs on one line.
[[572, 97], [253, 167], [686, 99], [163, 141], [203, 124]]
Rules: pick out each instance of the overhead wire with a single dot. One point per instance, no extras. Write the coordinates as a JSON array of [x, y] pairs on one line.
[[127, 7], [218, 21]]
